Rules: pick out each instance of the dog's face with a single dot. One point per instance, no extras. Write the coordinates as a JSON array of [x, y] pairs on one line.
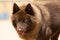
[[23, 20]]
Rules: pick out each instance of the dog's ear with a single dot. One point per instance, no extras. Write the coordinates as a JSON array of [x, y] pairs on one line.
[[29, 9], [15, 8]]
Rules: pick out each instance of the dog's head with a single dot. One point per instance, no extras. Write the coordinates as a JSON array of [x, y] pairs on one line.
[[23, 19]]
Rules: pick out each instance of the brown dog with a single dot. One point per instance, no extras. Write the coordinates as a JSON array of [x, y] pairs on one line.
[[33, 21]]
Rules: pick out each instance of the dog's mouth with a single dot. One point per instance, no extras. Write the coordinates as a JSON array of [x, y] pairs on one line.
[[21, 32]]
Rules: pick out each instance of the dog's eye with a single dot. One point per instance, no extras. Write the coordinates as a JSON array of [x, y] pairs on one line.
[[25, 20], [17, 20]]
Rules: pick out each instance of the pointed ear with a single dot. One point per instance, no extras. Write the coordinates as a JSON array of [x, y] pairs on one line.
[[15, 8], [29, 9]]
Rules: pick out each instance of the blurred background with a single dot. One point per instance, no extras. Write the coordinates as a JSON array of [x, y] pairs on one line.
[[7, 32]]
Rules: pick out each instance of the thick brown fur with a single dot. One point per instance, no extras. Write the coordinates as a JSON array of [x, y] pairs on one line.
[[33, 21]]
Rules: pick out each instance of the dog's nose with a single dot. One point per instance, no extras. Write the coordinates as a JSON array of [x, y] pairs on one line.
[[19, 30]]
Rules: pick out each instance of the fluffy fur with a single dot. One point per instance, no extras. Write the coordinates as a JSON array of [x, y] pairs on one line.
[[33, 21]]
